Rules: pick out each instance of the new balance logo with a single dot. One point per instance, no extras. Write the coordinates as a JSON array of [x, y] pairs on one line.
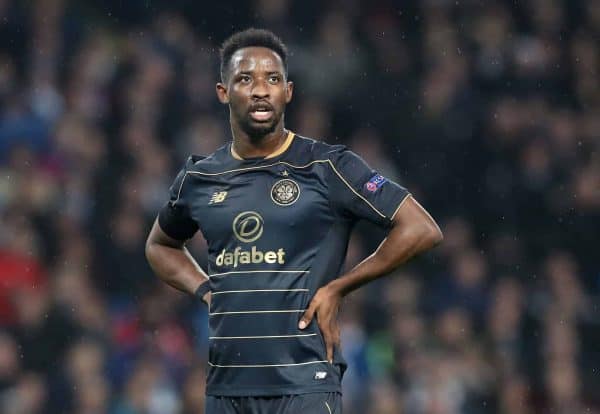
[[218, 197], [319, 375]]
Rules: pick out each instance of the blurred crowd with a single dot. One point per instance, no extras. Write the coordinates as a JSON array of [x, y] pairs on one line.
[[488, 112]]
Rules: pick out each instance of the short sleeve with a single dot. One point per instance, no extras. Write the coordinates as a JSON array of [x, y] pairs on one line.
[[361, 192], [174, 218]]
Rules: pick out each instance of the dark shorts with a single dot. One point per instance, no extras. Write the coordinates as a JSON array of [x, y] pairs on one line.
[[319, 403]]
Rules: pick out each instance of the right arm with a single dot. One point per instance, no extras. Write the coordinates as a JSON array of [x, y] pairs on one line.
[[173, 263]]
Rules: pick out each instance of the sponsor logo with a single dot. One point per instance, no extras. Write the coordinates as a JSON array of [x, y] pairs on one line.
[[248, 226], [285, 192], [218, 197], [375, 182], [240, 256], [319, 375]]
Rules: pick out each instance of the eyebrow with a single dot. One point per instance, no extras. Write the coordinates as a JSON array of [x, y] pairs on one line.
[[249, 72]]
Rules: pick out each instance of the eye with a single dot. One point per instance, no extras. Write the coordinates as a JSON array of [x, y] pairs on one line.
[[274, 78], [244, 79]]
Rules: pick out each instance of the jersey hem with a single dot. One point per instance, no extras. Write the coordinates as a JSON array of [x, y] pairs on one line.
[[228, 391]]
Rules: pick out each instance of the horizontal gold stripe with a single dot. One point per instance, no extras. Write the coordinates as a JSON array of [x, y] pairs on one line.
[[258, 290], [266, 365], [262, 337], [252, 312], [258, 271]]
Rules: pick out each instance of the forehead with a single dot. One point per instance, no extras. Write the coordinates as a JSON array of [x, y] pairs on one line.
[[256, 58]]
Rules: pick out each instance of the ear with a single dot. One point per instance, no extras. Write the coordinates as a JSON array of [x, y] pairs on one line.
[[289, 91], [222, 93]]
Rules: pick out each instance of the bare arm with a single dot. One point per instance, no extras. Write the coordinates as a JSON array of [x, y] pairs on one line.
[[172, 262], [413, 232]]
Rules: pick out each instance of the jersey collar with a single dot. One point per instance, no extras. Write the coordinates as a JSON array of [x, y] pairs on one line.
[[286, 144]]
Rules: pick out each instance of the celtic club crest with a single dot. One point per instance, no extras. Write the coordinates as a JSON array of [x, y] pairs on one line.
[[285, 192]]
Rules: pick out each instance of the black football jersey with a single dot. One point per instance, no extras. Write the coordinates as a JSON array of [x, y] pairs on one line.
[[277, 230]]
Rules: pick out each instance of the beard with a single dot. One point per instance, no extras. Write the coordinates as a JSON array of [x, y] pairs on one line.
[[258, 130]]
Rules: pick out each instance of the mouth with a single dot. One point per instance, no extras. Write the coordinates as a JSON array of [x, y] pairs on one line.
[[261, 112]]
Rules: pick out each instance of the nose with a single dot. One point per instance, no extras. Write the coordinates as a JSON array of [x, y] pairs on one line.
[[260, 89]]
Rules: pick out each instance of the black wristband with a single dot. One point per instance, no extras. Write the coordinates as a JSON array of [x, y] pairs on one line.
[[202, 290]]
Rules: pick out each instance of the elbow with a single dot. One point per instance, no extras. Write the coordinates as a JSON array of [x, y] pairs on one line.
[[435, 235], [148, 253], [149, 250], [153, 257], [431, 236]]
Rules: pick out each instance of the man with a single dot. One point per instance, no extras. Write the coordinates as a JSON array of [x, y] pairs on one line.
[[276, 210]]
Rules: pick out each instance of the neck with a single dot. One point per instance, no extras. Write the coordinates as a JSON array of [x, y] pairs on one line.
[[247, 146]]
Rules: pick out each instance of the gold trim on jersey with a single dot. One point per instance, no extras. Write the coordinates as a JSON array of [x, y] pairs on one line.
[[258, 167], [284, 147], [256, 312], [263, 336], [400, 205], [354, 191], [286, 144], [222, 292], [266, 366], [258, 271]]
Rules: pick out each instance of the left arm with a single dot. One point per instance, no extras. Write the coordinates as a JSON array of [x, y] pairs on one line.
[[413, 231]]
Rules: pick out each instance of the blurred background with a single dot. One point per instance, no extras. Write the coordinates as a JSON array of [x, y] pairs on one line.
[[487, 111]]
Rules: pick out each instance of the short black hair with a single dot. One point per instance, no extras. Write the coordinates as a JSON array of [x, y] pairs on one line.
[[249, 38]]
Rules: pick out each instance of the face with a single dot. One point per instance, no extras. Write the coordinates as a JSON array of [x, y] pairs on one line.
[[256, 90]]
